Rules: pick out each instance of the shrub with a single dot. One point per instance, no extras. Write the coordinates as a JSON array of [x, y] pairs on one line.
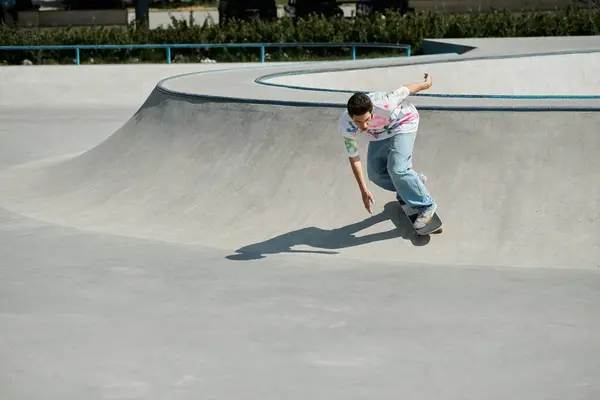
[[379, 28]]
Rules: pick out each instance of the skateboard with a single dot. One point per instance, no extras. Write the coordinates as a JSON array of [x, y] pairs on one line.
[[434, 226]]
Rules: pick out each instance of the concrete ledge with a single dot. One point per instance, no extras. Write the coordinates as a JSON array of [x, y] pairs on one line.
[[61, 18]]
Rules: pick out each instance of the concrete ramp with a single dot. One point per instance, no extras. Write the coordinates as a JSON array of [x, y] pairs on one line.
[[543, 76], [254, 171], [516, 189]]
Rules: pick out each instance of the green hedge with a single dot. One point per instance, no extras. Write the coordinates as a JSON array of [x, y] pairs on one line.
[[389, 28]]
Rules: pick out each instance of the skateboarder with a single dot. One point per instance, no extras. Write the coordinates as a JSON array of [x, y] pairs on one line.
[[390, 124]]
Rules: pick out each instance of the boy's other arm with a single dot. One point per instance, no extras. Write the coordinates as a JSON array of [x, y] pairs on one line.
[[418, 86], [356, 165], [367, 197]]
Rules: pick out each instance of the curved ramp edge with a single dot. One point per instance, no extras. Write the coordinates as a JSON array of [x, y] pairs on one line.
[[476, 100]]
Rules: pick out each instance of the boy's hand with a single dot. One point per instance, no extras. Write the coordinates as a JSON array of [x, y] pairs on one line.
[[416, 87], [367, 199], [428, 80]]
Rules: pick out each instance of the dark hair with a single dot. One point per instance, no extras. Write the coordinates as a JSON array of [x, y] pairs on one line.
[[359, 104]]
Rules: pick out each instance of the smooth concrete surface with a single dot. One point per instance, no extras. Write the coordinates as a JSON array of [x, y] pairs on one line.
[[242, 83], [90, 86], [510, 187], [571, 74], [46, 111], [188, 247], [44, 133], [92, 316]]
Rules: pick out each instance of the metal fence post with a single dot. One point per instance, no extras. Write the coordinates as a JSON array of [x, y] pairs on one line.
[[77, 56], [168, 55], [353, 52], [262, 53]]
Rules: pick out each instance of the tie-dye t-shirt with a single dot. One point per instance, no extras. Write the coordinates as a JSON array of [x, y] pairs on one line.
[[391, 115]]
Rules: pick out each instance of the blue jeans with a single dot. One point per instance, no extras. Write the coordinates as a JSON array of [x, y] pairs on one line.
[[389, 166]]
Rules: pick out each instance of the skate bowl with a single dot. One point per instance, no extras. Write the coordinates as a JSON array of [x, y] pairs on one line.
[[265, 174], [186, 231], [526, 77]]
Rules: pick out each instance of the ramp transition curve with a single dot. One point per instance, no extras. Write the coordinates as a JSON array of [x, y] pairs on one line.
[[514, 188]]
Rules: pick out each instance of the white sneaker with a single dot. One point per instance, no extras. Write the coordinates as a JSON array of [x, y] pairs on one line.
[[425, 217]]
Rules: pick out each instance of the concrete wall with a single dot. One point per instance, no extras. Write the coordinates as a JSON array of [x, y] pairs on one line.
[[45, 19]]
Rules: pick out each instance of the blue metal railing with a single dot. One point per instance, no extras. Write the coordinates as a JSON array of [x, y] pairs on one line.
[[168, 47]]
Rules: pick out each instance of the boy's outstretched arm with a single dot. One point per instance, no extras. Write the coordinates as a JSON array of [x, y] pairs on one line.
[[418, 86], [356, 165], [366, 195]]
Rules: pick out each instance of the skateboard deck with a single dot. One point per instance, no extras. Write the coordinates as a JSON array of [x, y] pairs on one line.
[[434, 226]]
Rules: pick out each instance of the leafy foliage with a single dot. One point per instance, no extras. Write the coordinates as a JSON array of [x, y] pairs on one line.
[[378, 28]]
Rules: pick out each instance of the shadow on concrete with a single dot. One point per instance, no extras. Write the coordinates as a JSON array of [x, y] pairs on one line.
[[327, 241]]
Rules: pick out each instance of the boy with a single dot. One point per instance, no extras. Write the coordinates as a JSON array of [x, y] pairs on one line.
[[390, 125]]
